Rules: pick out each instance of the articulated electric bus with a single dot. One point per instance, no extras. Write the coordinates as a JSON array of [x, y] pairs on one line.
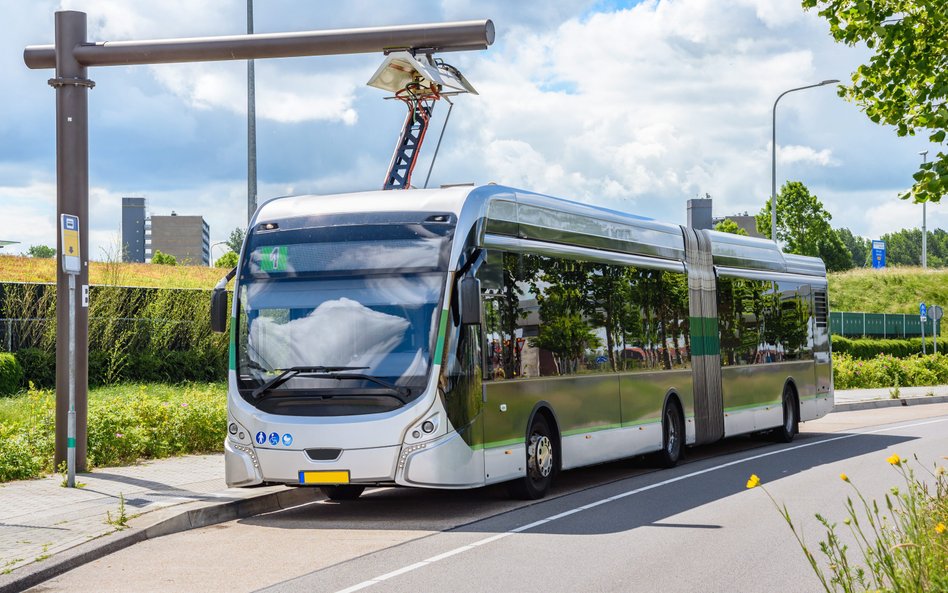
[[466, 336]]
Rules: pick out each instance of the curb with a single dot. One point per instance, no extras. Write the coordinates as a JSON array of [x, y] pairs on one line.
[[883, 403], [35, 573]]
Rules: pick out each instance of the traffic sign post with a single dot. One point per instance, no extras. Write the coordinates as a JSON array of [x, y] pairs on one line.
[[878, 254], [923, 317], [934, 313], [72, 266]]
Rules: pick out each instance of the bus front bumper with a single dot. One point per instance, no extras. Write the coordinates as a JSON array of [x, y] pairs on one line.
[[246, 465]]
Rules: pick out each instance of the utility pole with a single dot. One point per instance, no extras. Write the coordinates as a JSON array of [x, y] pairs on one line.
[[924, 154], [72, 54], [251, 127]]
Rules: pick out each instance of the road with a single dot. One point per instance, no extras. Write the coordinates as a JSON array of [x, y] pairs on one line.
[[617, 527]]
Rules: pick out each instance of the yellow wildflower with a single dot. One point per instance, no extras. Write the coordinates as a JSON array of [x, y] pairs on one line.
[[753, 482], [894, 459], [940, 470], [844, 477], [940, 528]]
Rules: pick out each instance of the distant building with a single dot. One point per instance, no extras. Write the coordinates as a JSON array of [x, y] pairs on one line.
[[133, 230], [745, 221], [187, 238]]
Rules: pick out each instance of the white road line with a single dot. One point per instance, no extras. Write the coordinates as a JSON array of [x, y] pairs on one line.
[[527, 527]]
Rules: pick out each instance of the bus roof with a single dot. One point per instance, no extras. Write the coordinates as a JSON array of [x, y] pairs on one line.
[[505, 211]]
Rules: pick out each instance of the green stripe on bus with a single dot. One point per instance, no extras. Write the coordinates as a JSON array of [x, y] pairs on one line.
[[439, 348], [705, 340], [588, 429], [232, 358]]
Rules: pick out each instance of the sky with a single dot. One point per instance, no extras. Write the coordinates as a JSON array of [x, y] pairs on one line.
[[636, 106]]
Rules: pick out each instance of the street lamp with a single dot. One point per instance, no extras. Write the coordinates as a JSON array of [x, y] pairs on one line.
[[211, 252], [924, 154], [773, 144]]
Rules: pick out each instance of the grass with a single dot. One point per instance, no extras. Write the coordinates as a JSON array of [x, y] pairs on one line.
[[889, 290], [15, 268], [126, 423]]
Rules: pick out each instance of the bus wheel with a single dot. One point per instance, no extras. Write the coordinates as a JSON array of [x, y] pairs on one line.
[[348, 492], [541, 463], [791, 424], [673, 435]]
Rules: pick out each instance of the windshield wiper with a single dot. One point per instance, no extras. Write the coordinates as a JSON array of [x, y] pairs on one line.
[[288, 373], [399, 391]]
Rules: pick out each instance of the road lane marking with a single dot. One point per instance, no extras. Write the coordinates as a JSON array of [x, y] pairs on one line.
[[602, 501]]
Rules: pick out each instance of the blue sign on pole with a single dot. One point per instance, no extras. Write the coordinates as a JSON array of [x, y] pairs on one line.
[[922, 310], [878, 254]]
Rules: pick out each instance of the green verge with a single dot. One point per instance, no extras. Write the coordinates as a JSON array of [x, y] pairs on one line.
[[126, 423]]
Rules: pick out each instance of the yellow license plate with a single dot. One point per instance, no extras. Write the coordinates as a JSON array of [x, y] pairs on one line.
[[324, 477]]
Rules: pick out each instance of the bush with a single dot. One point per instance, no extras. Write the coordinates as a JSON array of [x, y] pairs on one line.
[[39, 367], [866, 348], [888, 371], [126, 423], [11, 374]]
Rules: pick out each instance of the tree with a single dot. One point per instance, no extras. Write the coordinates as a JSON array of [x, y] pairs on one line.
[[834, 253], [41, 251], [164, 259], [859, 247], [804, 228], [729, 226], [228, 260], [905, 83], [236, 239]]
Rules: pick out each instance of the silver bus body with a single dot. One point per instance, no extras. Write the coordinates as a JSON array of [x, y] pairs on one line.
[[599, 412]]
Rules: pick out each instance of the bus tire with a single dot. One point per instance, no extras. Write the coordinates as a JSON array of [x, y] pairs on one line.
[[673, 435], [345, 492], [791, 421], [541, 462]]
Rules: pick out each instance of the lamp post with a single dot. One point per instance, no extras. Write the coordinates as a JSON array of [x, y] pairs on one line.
[[211, 251], [773, 144], [251, 127], [924, 154]]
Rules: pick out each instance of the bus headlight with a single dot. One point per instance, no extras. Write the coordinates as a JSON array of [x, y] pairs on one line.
[[427, 428], [237, 433]]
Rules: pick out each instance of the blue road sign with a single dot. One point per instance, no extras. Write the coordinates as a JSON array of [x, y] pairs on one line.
[[922, 310], [878, 254]]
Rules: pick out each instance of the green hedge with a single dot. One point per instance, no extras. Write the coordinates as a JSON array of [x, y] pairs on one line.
[[126, 423], [11, 374], [135, 334], [888, 371], [866, 348]]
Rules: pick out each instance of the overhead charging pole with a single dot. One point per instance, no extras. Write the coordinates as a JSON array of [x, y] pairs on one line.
[[72, 54]]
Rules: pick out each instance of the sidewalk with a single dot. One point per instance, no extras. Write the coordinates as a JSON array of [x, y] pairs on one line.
[[864, 399], [46, 529]]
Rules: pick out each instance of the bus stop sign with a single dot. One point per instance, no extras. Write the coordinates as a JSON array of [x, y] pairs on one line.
[[69, 227]]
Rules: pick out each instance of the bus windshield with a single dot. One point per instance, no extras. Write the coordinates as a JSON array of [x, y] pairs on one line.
[[354, 310]]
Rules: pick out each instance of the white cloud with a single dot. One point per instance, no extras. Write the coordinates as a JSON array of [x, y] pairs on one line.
[[286, 97], [805, 154], [900, 214]]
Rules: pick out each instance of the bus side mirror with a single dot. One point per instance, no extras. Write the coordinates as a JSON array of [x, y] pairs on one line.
[[470, 301], [219, 310], [219, 303]]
